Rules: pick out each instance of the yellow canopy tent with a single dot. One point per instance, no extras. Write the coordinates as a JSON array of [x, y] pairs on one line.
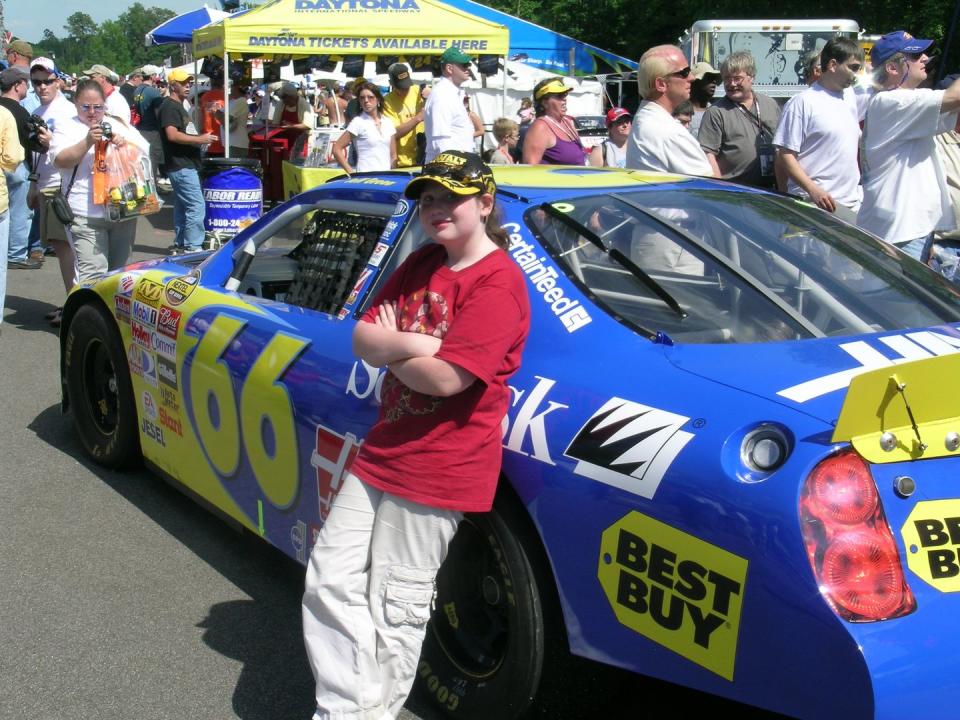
[[337, 28], [351, 27]]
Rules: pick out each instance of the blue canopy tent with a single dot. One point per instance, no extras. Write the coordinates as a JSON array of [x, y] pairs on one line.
[[549, 50], [180, 29]]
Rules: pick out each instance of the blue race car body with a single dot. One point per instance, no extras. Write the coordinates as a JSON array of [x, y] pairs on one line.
[[687, 469]]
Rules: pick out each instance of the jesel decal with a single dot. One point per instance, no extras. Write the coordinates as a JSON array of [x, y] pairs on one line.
[[675, 589]]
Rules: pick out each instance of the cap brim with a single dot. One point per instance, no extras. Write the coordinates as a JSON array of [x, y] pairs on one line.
[[419, 184]]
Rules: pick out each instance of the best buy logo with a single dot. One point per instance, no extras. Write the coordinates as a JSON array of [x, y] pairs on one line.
[[931, 535], [674, 589]]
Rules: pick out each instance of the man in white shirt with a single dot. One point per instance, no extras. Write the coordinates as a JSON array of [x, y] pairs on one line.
[[446, 122], [56, 112], [107, 79], [905, 196], [658, 141], [819, 134]]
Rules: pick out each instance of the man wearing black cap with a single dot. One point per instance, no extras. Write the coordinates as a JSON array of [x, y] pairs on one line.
[[403, 106], [445, 119], [905, 195]]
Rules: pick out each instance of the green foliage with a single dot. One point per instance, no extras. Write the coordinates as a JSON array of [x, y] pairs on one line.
[[118, 44], [628, 27]]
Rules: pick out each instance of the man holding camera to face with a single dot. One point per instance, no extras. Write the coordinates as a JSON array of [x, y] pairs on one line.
[[905, 197]]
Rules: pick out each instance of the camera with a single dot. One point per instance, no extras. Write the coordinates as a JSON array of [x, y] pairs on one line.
[[107, 130], [35, 124]]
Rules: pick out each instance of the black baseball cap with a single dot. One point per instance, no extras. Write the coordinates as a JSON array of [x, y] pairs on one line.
[[461, 173]]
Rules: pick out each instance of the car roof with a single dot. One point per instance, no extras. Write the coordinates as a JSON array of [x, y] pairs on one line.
[[536, 182]]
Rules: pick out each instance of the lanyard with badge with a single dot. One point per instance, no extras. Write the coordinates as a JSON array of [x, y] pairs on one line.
[[765, 149]]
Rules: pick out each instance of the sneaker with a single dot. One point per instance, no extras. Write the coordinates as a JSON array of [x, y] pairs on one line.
[[53, 313], [36, 255], [27, 264], [175, 250], [49, 251]]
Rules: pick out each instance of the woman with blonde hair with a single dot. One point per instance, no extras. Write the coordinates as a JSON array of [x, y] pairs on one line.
[[507, 134]]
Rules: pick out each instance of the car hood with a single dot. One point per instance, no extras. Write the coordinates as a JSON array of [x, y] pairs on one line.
[[812, 376]]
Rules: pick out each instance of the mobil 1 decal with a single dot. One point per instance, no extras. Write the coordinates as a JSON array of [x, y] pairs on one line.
[[931, 536], [679, 591], [628, 445]]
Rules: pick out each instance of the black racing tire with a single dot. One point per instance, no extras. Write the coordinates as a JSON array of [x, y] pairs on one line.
[[99, 389], [484, 650]]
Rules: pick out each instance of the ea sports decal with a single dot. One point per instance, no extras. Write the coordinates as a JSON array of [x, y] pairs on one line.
[[679, 591], [931, 536], [628, 445]]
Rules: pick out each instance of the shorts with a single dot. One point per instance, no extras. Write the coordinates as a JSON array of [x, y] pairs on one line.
[[50, 226]]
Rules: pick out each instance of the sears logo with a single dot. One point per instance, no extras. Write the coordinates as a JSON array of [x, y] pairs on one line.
[[149, 404], [163, 346], [144, 314], [122, 304], [153, 432], [141, 336], [168, 322], [628, 445], [167, 372], [675, 589]]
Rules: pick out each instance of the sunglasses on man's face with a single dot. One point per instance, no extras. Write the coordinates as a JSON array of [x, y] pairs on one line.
[[41, 83], [685, 72]]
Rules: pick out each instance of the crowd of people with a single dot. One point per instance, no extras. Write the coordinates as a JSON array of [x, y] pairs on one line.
[[869, 152]]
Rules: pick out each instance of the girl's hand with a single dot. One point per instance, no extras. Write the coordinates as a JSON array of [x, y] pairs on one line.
[[387, 316]]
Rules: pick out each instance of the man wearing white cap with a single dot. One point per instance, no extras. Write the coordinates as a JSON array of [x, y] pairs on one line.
[[108, 79]]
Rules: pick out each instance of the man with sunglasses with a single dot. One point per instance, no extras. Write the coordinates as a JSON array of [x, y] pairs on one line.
[[737, 131], [446, 122], [13, 89], [56, 111], [658, 141], [905, 197]]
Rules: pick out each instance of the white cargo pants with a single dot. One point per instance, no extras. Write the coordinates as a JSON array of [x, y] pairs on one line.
[[369, 590]]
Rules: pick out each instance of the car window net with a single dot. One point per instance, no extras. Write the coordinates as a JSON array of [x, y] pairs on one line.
[[334, 251]]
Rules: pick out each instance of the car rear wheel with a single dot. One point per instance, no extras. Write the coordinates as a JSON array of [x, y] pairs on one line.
[[484, 651], [100, 391]]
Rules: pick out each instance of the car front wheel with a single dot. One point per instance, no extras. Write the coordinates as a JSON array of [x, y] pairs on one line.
[[100, 391]]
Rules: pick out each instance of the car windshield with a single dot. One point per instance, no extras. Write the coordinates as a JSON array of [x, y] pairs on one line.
[[709, 265]]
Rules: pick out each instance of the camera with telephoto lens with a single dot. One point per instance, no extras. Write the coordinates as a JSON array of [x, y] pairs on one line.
[[35, 124], [106, 130]]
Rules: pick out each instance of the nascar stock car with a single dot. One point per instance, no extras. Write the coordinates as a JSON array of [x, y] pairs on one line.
[[726, 462]]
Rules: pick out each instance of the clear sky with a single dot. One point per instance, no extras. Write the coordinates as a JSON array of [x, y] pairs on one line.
[[27, 19]]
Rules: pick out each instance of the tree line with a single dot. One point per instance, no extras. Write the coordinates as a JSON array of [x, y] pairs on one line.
[[626, 27]]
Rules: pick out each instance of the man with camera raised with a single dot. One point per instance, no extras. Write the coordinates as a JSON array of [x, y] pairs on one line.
[[13, 88], [55, 111]]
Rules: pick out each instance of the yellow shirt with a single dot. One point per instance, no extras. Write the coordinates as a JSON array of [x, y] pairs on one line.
[[11, 152], [399, 109]]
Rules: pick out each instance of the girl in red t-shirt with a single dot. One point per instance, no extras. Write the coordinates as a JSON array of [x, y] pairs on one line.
[[449, 325]]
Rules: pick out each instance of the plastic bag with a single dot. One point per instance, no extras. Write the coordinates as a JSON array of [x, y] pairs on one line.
[[123, 182]]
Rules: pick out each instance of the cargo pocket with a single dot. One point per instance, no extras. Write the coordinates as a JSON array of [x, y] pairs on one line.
[[408, 595]]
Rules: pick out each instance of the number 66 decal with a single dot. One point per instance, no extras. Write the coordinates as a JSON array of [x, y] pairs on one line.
[[264, 417]]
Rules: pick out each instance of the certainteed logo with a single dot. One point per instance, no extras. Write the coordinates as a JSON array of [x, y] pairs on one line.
[[931, 535], [675, 589]]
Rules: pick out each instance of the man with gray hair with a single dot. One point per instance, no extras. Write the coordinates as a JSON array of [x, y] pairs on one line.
[[107, 79], [737, 131], [658, 141], [905, 197]]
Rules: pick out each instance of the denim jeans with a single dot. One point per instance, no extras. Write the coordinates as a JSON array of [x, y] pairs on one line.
[[188, 208], [21, 217], [918, 248], [4, 238]]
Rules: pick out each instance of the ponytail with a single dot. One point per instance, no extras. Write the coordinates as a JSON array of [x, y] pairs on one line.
[[495, 230]]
